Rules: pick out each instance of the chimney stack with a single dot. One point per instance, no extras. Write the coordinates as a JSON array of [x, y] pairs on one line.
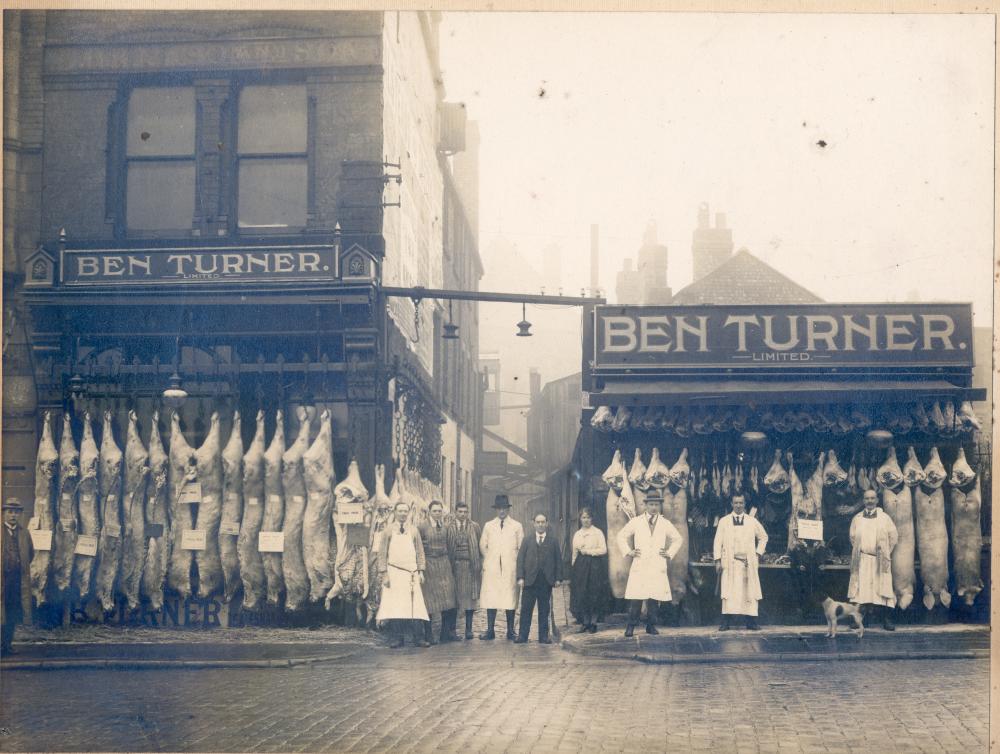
[[594, 259]]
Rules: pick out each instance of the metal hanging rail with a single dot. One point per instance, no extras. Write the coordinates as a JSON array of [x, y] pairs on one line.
[[418, 292]]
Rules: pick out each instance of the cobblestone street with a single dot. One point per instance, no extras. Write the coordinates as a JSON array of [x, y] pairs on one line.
[[474, 697]]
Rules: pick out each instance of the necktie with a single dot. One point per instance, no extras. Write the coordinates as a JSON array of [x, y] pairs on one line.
[[501, 523], [873, 514], [439, 525], [738, 520], [652, 521], [540, 539], [401, 529]]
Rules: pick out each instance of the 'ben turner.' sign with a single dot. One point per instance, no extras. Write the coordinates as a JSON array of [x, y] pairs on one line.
[[824, 336], [197, 264]]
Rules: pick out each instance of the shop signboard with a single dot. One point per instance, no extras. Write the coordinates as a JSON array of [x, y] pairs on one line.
[[203, 264], [780, 338]]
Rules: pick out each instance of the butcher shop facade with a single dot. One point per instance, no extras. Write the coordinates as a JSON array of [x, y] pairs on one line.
[[207, 396], [799, 408]]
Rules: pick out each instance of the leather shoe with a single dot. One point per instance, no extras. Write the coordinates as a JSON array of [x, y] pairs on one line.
[[592, 628], [396, 644], [468, 634], [511, 636], [583, 629], [752, 626], [519, 640], [423, 643], [724, 627], [546, 640], [652, 630], [629, 631], [488, 636]]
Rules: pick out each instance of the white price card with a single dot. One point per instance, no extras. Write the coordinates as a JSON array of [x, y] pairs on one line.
[[229, 527], [112, 530], [191, 493], [253, 501], [41, 539], [193, 539], [274, 498], [271, 541], [67, 525], [298, 499], [349, 513], [86, 544], [810, 529]]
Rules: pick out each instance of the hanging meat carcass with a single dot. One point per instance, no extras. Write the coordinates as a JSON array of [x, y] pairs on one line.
[[109, 547], [668, 419], [621, 420], [723, 420], [807, 502], [657, 474], [65, 534], [767, 419], [602, 418], [154, 572], [351, 564], [921, 421], [803, 419], [251, 561], [741, 419], [967, 418], [134, 540], [795, 486], [967, 541], [961, 472], [274, 509], [183, 475], [209, 459], [932, 533], [833, 474], [701, 421], [652, 418], [777, 479], [898, 503], [682, 427], [913, 472], [232, 509], [937, 418], [636, 478], [619, 510], [727, 479], [381, 506], [293, 480], [675, 505], [318, 465], [948, 412], [615, 474], [859, 419], [89, 502], [46, 473]]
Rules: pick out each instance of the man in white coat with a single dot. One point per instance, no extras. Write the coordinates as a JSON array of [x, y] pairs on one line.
[[873, 538], [654, 540], [499, 544], [739, 542]]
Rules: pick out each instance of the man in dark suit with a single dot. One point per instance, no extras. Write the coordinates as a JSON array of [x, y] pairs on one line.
[[539, 568], [16, 578]]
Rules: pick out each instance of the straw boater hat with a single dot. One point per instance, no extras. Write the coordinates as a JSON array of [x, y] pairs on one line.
[[501, 501], [12, 504]]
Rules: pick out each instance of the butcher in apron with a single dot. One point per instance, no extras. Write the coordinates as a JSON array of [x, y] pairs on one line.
[[401, 567]]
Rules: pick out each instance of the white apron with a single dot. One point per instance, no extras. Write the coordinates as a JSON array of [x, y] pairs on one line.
[[647, 576], [499, 546], [738, 548], [403, 598]]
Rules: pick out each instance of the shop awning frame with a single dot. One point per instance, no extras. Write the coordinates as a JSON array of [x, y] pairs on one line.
[[714, 392]]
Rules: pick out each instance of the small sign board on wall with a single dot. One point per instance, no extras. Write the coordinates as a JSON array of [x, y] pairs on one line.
[[810, 529]]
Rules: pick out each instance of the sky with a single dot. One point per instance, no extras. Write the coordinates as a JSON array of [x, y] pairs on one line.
[[621, 119]]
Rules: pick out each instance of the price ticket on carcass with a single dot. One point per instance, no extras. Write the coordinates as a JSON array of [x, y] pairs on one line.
[[810, 529], [191, 493], [86, 544], [41, 539], [193, 539], [271, 541]]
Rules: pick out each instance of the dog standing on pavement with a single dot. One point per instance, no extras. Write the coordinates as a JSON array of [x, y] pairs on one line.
[[835, 610]]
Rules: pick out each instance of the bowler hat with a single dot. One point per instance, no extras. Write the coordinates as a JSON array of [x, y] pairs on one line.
[[12, 504], [501, 501], [654, 495]]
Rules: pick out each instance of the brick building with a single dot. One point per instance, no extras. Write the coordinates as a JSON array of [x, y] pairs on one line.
[[223, 196]]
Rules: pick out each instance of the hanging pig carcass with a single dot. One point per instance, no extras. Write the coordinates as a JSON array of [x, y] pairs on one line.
[[966, 529], [251, 562], [134, 539], [675, 504], [109, 547], [154, 572], [620, 508], [183, 476], [932, 533], [898, 504], [232, 509], [209, 460], [90, 518], [43, 520], [66, 530], [274, 509], [318, 465], [294, 484]]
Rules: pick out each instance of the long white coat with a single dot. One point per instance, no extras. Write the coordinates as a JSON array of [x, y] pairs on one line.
[[499, 549], [723, 551], [647, 577]]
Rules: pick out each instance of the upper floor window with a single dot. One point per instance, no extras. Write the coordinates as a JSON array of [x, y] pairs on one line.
[[272, 157], [160, 159]]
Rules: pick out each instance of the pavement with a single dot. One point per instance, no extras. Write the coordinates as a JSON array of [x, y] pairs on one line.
[[496, 697]]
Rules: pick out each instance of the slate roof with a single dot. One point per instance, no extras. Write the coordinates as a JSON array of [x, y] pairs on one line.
[[744, 279]]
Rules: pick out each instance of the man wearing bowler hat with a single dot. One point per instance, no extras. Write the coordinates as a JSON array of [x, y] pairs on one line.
[[16, 550], [499, 546]]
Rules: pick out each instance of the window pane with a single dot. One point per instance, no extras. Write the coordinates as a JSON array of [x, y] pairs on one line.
[[272, 119], [160, 195], [161, 121], [273, 193]]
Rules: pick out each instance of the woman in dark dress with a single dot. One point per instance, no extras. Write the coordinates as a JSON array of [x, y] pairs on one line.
[[589, 589]]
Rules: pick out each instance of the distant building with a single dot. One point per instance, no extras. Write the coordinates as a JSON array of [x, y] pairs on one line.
[[653, 269], [710, 247], [628, 284], [745, 279]]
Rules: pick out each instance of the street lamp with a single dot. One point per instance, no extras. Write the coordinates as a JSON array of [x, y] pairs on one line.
[[524, 326]]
